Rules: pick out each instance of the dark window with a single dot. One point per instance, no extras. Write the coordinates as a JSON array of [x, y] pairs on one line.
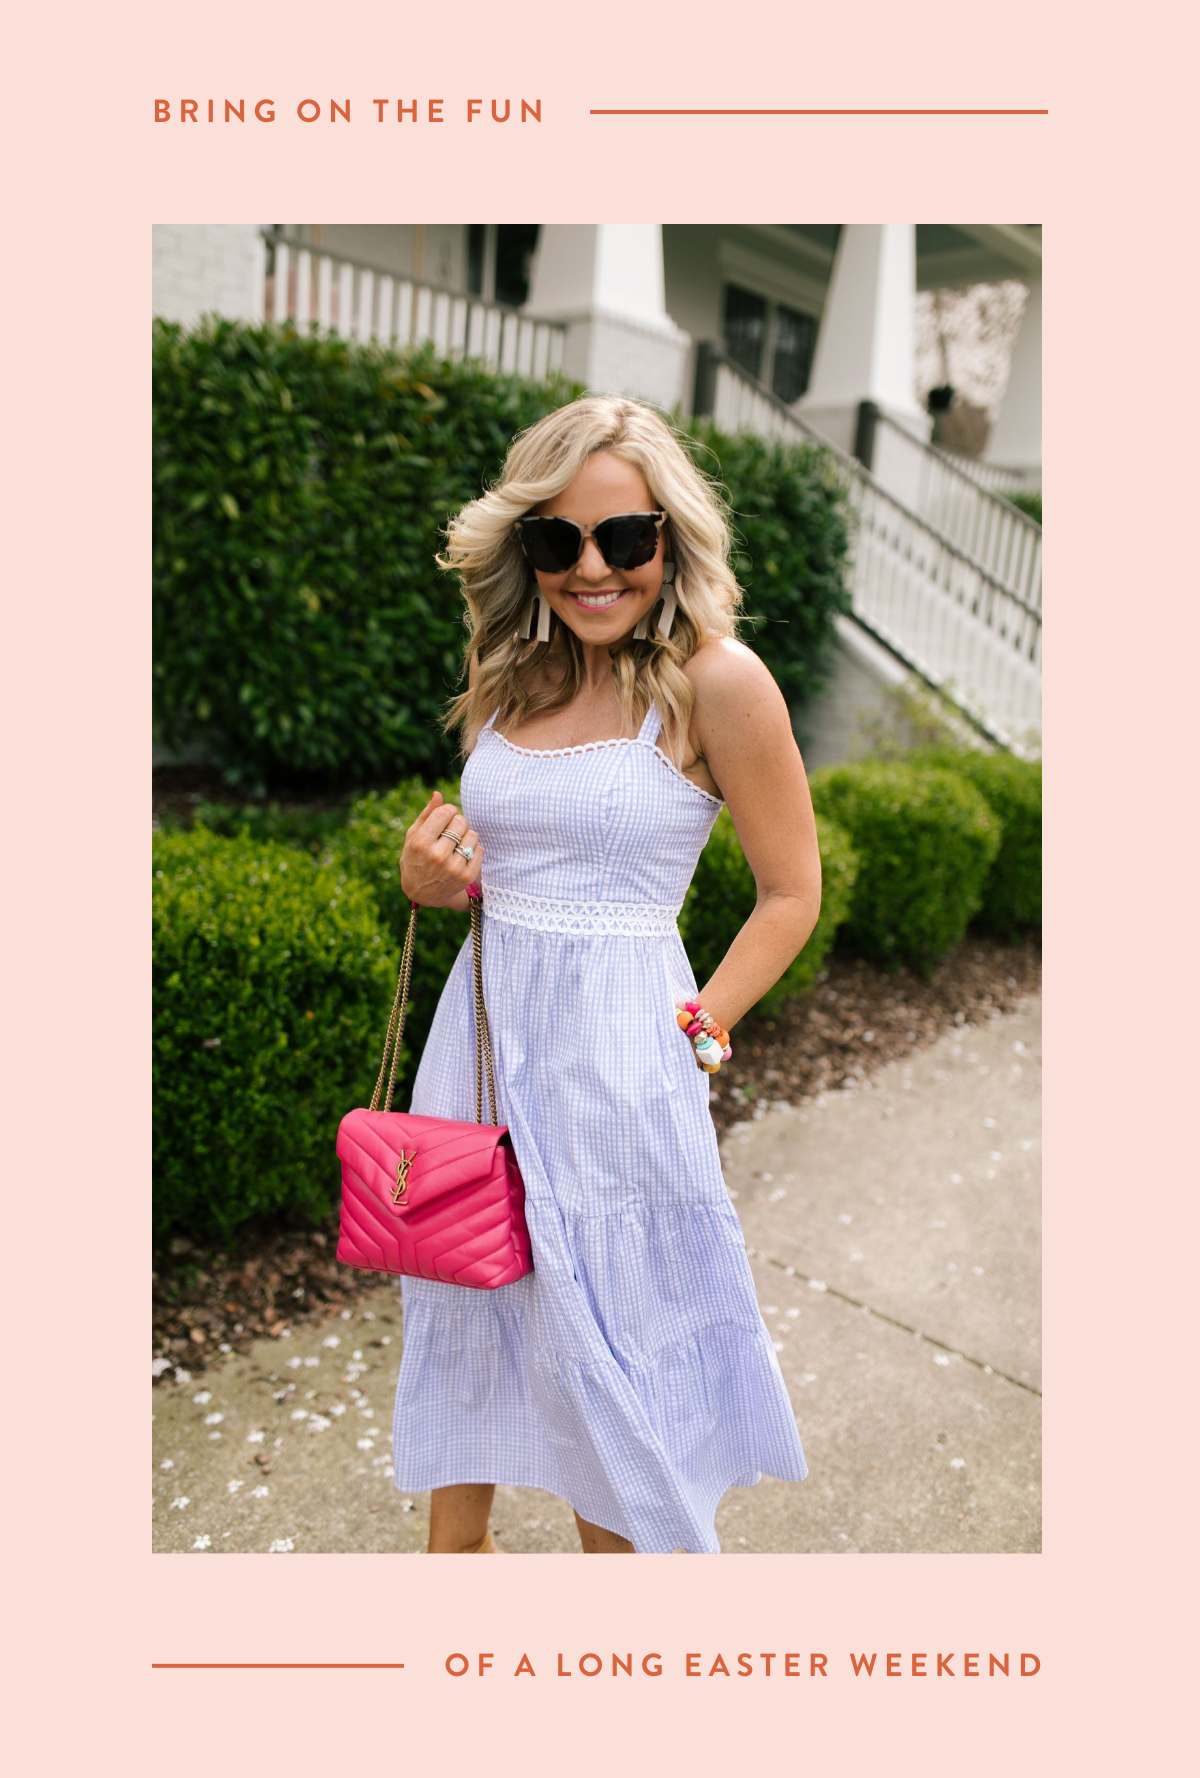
[[476, 243], [515, 243], [791, 361], [745, 327]]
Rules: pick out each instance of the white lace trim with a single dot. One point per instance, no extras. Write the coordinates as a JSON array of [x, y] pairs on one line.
[[543, 913], [612, 741], [690, 782], [559, 752]]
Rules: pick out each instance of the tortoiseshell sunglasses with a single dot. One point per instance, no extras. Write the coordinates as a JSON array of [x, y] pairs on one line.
[[627, 540]]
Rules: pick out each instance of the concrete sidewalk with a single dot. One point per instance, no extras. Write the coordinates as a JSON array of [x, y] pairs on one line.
[[894, 1236]]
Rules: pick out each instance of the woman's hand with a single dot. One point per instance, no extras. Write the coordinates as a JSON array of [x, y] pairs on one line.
[[433, 872]]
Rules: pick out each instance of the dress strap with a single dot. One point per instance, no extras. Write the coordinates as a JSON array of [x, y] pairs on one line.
[[491, 719], [652, 724]]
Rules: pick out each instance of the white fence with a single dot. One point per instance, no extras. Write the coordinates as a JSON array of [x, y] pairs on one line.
[[990, 529], [363, 302], [991, 475], [932, 603]]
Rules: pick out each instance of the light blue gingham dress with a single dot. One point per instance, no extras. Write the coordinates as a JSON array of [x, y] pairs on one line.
[[630, 1373]]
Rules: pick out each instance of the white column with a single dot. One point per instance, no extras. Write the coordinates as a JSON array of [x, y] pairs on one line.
[[865, 344], [203, 267], [1015, 441], [605, 280]]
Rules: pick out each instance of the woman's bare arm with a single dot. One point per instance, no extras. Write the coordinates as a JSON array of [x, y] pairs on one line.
[[745, 734]]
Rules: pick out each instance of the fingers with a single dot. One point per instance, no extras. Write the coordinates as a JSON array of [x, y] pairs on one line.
[[431, 823], [434, 809], [468, 840], [433, 850]]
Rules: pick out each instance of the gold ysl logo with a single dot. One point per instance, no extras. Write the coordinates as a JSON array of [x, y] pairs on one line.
[[402, 1166]]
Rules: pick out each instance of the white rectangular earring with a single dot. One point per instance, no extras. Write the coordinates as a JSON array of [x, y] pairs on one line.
[[667, 617], [543, 629]]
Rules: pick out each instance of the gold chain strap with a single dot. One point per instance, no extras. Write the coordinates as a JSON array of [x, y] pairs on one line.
[[395, 1030], [483, 1033]]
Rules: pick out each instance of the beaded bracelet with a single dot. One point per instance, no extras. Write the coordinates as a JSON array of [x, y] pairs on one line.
[[709, 1039]]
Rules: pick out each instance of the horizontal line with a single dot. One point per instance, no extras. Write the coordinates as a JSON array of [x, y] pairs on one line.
[[904, 1326], [289, 1664], [829, 112]]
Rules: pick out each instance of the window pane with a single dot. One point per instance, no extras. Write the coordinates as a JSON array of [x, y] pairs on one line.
[[515, 242], [795, 339], [745, 327], [476, 241]]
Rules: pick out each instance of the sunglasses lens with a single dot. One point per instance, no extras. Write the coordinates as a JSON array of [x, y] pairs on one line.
[[551, 545], [628, 541]]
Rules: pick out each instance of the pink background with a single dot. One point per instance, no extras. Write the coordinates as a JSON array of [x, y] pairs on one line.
[[1102, 1606]]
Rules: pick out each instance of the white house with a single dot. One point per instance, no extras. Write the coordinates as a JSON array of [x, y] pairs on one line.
[[798, 330]]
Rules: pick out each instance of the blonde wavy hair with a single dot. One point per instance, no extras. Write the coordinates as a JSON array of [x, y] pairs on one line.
[[484, 551]]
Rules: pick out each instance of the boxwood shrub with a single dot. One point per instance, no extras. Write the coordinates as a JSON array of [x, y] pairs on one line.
[[273, 979], [294, 825], [722, 897], [926, 840], [1029, 503], [1012, 789], [791, 525]]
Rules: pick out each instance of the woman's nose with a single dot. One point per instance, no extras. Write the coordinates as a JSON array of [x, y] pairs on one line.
[[591, 564]]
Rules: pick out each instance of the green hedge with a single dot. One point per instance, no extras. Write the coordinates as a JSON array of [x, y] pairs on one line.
[[301, 628], [312, 829], [1012, 789], [926, 840], [722, 897], [302, 631], [1029, 503], [273, 978], [369, 847], [791, 549]]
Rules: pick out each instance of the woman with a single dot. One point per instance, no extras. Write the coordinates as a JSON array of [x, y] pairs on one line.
[[630, 1372]]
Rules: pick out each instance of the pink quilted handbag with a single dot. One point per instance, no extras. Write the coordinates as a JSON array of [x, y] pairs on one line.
[[426, 1196]]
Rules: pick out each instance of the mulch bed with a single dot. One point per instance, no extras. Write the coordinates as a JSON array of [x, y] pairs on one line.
[[178, 789], [857, 1018]]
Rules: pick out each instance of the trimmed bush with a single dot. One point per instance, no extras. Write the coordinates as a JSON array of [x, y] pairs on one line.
[[1029, 503], [302, 631], [369, 847], [722, 897], [926, 840], [273, 979], [310, 829], [791, 522], [1012, 789]]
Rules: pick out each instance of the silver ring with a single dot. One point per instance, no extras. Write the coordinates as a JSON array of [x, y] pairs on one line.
[[454, 836], [468, 852]]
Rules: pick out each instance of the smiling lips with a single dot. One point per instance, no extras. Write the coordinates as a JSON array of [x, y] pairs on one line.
[[597, 601]]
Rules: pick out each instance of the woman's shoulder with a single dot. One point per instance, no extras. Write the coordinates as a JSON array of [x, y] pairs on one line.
[[723, 669]]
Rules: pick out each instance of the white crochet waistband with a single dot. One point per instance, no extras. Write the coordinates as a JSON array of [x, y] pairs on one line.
[[544, 913]]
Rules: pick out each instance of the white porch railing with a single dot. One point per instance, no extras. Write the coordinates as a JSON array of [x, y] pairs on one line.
[[991, 475], [936, 607], [980, 521], [363, 302]]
